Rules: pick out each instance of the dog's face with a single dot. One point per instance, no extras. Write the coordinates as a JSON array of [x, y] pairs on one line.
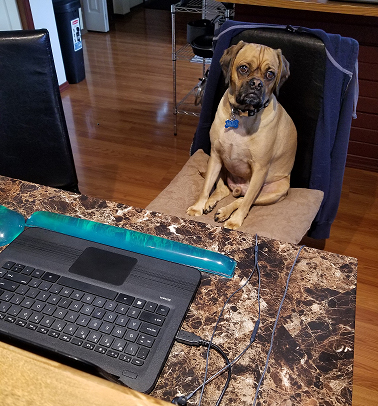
[[253, 73]]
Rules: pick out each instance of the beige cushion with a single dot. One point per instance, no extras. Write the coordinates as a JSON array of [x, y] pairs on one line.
[[287, 220]]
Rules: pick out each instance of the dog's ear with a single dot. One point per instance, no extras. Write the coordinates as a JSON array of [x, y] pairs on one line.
[[228, 58], [283, 71]]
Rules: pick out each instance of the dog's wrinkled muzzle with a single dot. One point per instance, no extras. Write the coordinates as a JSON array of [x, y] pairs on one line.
[[251, 93]]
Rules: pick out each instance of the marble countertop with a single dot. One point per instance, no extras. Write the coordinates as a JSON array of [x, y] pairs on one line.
[[311, 362]]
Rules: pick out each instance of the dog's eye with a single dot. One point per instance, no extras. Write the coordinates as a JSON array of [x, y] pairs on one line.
[[243, 69], [270, 75]]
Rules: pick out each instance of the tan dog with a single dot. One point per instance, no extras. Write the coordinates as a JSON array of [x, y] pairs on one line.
[[253, 139]]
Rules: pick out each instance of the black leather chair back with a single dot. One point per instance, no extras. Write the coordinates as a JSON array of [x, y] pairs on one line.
[[34, 140]]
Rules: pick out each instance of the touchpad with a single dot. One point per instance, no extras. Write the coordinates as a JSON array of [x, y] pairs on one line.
[[104, 266]]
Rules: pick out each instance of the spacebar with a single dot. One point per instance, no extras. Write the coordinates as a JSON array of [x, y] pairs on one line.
[[86, 287]]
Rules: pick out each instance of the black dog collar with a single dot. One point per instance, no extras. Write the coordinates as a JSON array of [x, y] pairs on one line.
[[234, 122]]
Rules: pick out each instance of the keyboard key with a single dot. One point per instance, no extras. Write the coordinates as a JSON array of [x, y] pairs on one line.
[[32, 292], [139, 303], [60, 313], [99, 302], [100, 349], [10, 319], [131, 349], [119, 345], [34, 283], [27, 302], [125, 357], [149, 329], [47, 321], [42, 330], [76, 306], [83, 320], [111, 353], [27, 270], [126, 299], [54, 334], [121, 308], [70, 329], [143, 353], [152, 318], [145, 340], [66, 292], [76, 295], [82, 332], [71, 316], [109, 316], [43, 296], [64, 302], [150, 306], [122, 320], [8, 285], [17, 299], [119, 331], [131, 335], [76, 341], [94, 337], [133, 313], [59, 325], [49, 309], [18, 267], [88, 346], [16, 277], [45, 285], [8, 265], [22, 289], [14, 310], [37, 273], [94, 324], [53, 299], [106, 341], [50, 277], [98, 313], [133, 324], [38, 306], [24, 314], [110, 305], [87, 309], [162, 310], [137, 362], [106, 328], [88, 298]]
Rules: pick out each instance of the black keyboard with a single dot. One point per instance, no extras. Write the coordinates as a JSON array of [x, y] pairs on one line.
[[111, 311], [95, 318]]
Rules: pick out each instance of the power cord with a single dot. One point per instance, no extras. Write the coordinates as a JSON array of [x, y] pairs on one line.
[[188, 338], [194, 340]]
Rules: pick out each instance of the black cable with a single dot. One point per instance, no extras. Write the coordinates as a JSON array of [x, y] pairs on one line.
[[192, 339]]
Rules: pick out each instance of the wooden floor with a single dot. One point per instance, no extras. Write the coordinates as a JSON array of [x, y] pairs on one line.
[[121, 126]]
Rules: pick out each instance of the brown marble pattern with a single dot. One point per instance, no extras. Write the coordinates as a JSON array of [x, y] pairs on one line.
[[312, 357]]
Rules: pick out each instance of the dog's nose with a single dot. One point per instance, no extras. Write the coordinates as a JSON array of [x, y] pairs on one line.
[[255, 83]]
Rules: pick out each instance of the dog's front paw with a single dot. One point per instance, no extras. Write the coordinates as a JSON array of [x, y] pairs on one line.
[[194, 211], [235, 221], [232, 224]]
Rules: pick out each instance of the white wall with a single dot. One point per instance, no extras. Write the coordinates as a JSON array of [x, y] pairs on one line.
[[43, 17], [9, 16]]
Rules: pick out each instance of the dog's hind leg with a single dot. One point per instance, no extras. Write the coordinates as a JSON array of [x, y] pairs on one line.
[[273, 192], [221, 191]]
